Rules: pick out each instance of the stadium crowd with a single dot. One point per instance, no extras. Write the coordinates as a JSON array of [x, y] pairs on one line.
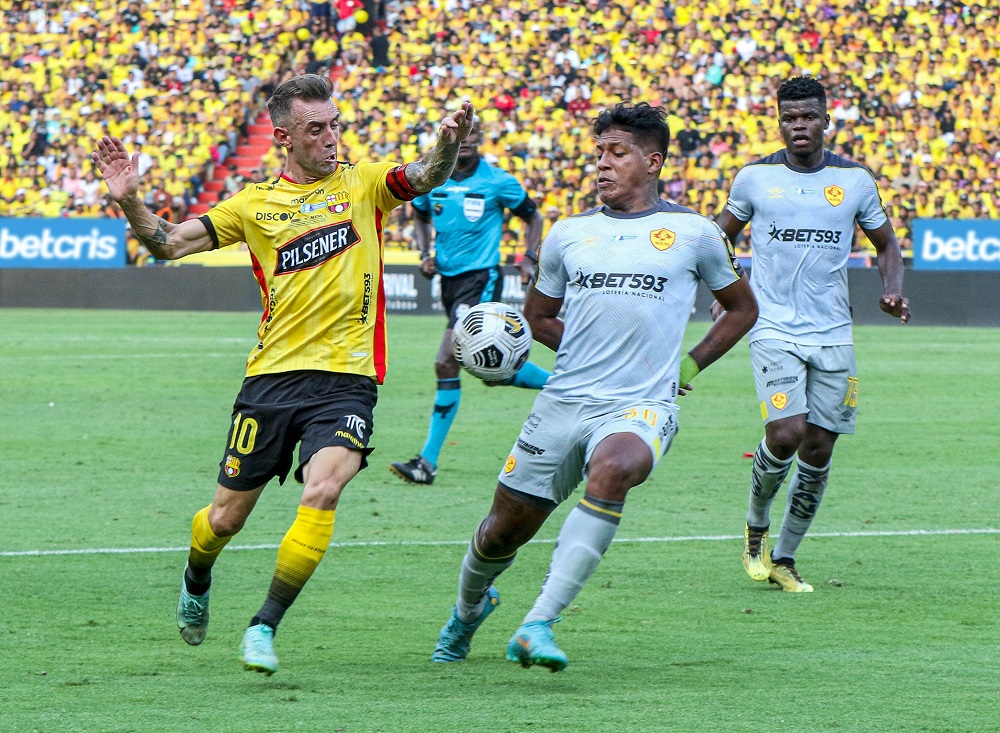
[[912, 85]]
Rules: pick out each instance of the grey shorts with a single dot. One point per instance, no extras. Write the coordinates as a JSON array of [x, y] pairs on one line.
[[557, 440], [820, 382]]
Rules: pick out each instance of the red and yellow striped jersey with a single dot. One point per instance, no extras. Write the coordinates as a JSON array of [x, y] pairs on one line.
[[317, 255]]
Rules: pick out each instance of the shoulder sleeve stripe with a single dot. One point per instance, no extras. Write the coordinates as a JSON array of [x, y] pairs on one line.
[[207, 221], [399, 187]]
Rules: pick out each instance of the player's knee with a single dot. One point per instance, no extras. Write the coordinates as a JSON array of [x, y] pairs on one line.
[[446, 367], [226, 521], [610, 475], [323, 493], [784, 438]]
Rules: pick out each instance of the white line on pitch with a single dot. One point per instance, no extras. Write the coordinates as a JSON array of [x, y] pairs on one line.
[[122, 356], [441, 543]]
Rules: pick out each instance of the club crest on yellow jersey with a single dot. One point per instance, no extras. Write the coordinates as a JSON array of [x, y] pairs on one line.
[[834, 194], [338, 203], [662, 239]]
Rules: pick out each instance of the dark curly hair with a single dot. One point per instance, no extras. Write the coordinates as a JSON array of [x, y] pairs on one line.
[[307, 87], [647, 124], [801, 87]]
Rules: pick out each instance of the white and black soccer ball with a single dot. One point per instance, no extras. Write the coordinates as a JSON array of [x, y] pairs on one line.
[[492, 341]]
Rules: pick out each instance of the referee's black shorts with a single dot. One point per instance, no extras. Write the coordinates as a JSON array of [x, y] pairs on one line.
[[470, 288], [274, 412]]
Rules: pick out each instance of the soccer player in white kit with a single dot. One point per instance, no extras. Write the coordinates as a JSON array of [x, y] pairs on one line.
[[803, 202], [627, 273]]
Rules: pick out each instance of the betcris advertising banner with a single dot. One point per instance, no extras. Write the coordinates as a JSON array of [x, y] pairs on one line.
[[956, 244], [62, 243]]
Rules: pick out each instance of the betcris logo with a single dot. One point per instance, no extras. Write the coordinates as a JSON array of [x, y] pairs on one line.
[[62, 243], [956, 244]]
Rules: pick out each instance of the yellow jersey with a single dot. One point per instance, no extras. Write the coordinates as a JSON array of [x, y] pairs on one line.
[[317, 255]]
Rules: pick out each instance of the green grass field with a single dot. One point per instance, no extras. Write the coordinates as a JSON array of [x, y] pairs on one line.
[[112, 429]]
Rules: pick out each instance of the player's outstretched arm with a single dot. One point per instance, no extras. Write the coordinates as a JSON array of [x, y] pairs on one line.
[[434, 168], [542, 313], [165, 241], [732, 228], [532, 240], [423, 233], [740, 314], [890, 268]]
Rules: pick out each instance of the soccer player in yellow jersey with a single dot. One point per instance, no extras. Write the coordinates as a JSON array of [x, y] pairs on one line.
[[315, 238]]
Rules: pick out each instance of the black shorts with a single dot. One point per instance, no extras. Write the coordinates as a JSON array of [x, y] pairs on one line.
[[273, 412], [469, 288]]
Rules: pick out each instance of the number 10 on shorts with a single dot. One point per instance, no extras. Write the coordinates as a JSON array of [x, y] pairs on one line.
[[851, 398], [244, 434]]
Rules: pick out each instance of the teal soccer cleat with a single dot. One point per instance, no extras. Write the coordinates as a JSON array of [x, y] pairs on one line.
[[455, 638], [192, 616], [532, 644], [258, 649]]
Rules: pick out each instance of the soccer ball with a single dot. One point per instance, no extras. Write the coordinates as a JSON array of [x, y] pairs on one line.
[[492, 341]]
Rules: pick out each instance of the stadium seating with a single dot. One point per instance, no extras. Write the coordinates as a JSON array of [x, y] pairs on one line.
[[911, 88]]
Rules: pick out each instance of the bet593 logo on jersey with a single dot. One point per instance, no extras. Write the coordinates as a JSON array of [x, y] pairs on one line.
[[637, 281], [819, 236]]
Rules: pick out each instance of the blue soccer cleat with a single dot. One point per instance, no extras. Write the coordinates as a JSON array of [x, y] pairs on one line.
[[532, 644], [192, 616], [455, 638], [258, 649]]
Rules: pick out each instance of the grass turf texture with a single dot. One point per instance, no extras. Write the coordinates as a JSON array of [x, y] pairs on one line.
[[114, 424]]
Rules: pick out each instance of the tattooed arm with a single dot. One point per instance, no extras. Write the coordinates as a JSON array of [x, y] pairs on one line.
[[165, 241], [434, 168]]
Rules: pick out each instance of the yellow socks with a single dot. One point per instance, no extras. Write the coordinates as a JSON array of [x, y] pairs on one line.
[[298, 556], [205, 548]]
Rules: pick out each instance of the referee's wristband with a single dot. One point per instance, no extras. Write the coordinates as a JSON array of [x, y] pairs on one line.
[[689, 369]]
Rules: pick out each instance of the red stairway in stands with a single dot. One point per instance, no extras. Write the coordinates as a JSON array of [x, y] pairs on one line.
[[247, 157]]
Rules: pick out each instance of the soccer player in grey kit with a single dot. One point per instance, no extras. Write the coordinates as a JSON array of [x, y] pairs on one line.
[[627, 273], [803, 202]]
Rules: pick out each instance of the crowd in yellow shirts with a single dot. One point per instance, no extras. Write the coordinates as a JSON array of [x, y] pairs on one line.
[[911, 89]]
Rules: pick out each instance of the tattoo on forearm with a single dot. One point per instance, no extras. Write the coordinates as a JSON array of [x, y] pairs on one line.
[[155, 241], [148, 228], [434, 168]]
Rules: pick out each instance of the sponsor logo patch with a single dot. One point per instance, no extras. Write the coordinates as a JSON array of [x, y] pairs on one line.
[[529, 448], [315, 247]]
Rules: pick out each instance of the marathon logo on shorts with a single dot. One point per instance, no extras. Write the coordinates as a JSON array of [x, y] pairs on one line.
[[232, 466], [350, 439], [315, 247], [529, 448]]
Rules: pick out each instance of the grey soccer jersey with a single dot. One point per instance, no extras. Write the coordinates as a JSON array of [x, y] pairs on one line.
[[628, 282], [802, 227]]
